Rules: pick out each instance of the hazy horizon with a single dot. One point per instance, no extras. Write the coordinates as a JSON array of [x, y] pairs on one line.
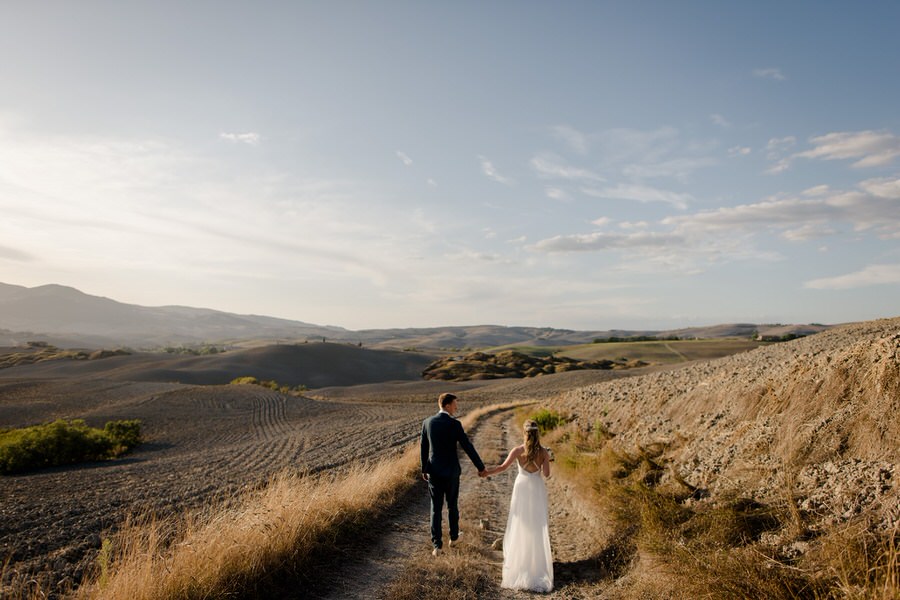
[[585, 166]]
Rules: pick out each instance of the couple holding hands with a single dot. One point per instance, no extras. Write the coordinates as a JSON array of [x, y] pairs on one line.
[[527, 561]]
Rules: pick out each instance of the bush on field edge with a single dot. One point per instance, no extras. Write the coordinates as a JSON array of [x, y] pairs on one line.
[[64, 442]]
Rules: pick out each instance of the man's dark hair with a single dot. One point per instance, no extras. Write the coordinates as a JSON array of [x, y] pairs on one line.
[[446, 399]]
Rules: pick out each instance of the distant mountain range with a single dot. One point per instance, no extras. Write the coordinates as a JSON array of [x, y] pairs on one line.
[[69, 318]]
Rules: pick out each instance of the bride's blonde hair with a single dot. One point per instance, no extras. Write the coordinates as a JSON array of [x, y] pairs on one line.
[[532, 442]]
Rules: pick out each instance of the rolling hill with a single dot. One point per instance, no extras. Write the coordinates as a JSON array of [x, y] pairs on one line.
[[69, 318]]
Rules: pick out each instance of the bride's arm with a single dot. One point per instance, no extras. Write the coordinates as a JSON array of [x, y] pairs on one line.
[[513, 454], [545, 464]]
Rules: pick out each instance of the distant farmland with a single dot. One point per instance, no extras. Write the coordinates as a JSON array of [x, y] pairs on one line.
[[662, 352]]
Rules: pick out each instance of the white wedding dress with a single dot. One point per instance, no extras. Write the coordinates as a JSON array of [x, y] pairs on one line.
[[527, 562]]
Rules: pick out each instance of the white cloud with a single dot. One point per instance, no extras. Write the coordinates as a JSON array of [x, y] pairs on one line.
[[556, 193], [783, 212], [468, 255], [548, 166], [487, 167], [719, 120], [678, 168], [575, 139], [603, 241], [601, 222], [406, 160], [808, 231], [815, 191], [885, 187], [251, 138], [659, 152], [739, 151], [100, 202], [641, 193], [769, 73], [869, 276], [776, 149], [874, 208], [872, 148], [689, 243], [634, 225], [432, 182]]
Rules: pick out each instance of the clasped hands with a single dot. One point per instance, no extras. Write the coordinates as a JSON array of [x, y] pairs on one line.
[[484, 473]]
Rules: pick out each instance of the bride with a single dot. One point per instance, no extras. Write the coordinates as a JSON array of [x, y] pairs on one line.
[[527, 562]]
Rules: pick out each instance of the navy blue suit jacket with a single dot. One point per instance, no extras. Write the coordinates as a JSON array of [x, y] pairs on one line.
[[440, 434]]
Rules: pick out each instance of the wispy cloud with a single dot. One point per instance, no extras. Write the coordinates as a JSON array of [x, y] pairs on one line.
[[872, 148], [776, 150], [549, 166], [641, 193], [869, 276], [490, 171], [676, 168], [884, 187], [874, 207], [769, 73], [575, 139], [655, 153], [690, 243], [868, 149], [739, 151], [406, 160], [556, 193], [808, 231], [603, 241], [719, 120], [251, 138]]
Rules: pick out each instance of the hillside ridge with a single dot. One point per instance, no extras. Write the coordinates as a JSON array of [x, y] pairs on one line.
[[69, 318]]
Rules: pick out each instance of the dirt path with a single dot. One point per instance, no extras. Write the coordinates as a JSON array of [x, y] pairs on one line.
[[676, 353], [577, 539]]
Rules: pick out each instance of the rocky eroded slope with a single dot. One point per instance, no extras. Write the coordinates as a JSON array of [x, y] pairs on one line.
[[816, 418]]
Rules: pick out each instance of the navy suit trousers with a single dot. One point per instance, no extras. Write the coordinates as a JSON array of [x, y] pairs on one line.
[[441, 488]]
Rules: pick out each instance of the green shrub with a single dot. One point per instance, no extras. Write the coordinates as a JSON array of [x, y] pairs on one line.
[[64, 442], [269, 383], [548, 419]]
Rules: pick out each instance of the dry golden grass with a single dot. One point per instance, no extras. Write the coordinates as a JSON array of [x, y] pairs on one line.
[[716, 549], [235, 550], [463, 574], [251, 545]]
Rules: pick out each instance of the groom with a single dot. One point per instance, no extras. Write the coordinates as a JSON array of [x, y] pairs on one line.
[[440, 466]]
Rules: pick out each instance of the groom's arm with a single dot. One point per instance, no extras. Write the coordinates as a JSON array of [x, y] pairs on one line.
[[467, 446], [423, 450]]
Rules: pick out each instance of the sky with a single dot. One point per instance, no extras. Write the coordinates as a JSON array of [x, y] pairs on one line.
[[582, 165]]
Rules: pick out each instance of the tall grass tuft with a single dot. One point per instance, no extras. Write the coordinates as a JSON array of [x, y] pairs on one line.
[[463, 575], [547, 419]]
